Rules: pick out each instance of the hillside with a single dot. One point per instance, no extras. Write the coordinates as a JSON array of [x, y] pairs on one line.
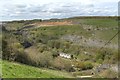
[[75, 45], [18, 70]]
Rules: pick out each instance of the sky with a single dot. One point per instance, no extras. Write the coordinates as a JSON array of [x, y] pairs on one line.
[[47, 9]]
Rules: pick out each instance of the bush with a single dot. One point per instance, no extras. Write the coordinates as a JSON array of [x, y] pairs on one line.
[[11, 48], [58, 63], [100, 56], [80, 65], [84, 65], [55, 54], [21, 57], [62, 64], [88, 65], [39, 59], [42, 47], [107, 56], [45, 59]]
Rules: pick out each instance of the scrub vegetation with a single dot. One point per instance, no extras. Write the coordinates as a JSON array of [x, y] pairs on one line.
[[74, 45]]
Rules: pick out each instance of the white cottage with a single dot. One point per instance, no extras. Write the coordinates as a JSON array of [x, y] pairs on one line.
[[64, 55]]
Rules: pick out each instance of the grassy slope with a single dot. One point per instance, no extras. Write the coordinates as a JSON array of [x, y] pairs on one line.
[[16, 70], [77, 29], [100, 23]]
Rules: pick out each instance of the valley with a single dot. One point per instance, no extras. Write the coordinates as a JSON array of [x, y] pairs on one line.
[[76, 46]]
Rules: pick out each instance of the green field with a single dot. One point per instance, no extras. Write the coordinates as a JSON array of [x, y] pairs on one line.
[[18, 70]]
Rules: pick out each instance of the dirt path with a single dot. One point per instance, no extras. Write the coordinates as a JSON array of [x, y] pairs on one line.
[[88, 76]]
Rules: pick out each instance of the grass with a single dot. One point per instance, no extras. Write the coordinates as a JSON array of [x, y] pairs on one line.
[[14, 26], [99, 22], [107, 35], [45, 34], [17, 70], [0, 68], [102, 22], [58, 31], [77, 29]]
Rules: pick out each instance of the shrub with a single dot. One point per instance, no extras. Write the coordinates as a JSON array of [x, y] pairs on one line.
[[88, 65], [21, 57], [42, 47], [5, 51], [80, 65], [58, 63], [107, 56], [39, 59], [45, 59], [55, 54], [84, 65], [100, 56], [51, 43], [62, 64], [11, 48]]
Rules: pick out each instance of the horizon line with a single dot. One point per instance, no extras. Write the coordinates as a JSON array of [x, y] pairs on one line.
[[56, 18]]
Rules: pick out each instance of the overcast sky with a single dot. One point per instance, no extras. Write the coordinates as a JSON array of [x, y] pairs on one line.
[[46, 9]]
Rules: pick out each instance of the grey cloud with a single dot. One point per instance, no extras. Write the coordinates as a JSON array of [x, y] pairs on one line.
[[20, 5], [56, 10]]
